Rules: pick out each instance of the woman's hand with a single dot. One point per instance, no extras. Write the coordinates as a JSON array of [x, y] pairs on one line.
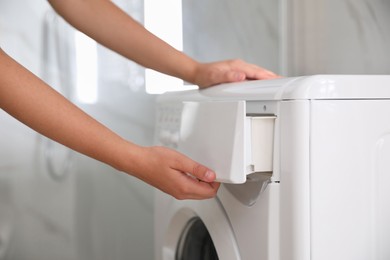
[[209, 74], [38, 106], [174, 173]]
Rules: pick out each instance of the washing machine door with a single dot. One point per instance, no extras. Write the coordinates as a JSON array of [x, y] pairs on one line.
[[199, 230]]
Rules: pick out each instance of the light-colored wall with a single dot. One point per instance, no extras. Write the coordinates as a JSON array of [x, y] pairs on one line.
[[32, 204], [97, 213], [226, 29], [94, 212], [336, 37], [115, 211], [292, 37]]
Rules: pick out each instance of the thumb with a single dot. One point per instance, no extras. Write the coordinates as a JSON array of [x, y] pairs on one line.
[[202, 173]]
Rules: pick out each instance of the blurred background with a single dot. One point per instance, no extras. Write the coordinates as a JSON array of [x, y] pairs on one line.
[[58, 204]]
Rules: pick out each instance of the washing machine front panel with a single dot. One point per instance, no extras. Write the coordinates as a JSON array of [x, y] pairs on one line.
[[184, 215], [301, 185], [349, 181], [294, 180]]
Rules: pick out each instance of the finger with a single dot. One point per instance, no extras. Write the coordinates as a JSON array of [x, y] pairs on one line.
[[199, 171], [256, 72], [202, 173], [234, 76], [215, 185], [227, 76], [193, 188], [251, 71]]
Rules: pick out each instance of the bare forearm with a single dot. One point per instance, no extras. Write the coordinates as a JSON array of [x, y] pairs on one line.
[[31, 101], [112, 27]]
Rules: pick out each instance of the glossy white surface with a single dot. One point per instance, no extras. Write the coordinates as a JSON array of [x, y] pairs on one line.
[[217, 145], [327, 197], [295, 175], [256, 228], [308, 87], [349, 180], [259, 158], [305, 87], [234, 147], [174, 215]]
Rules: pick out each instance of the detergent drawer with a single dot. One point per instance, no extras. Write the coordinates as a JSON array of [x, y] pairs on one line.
[[220, 135]]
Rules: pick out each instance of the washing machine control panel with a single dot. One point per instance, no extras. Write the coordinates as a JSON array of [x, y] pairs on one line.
[[168, 124]]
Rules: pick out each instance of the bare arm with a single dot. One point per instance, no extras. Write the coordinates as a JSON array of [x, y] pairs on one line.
[[110, 26], [32, 102]]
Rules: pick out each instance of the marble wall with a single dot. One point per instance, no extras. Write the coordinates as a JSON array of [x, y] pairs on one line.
[[114, 212], [337, 36], [36, 215], [93, 212], [225, 29], [292, 37], [100, 214]]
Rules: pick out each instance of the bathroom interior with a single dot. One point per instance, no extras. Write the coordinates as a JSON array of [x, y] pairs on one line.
[[58, 204]]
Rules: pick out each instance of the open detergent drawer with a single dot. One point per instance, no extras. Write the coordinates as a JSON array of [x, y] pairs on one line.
[[226, 139]]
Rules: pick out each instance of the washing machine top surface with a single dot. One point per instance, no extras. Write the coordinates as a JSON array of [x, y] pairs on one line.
[[296, 88]]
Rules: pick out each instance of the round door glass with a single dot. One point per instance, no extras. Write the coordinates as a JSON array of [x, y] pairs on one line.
[[195, 243]]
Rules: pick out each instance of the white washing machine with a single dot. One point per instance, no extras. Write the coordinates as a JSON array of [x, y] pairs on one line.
[[304, 162]]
